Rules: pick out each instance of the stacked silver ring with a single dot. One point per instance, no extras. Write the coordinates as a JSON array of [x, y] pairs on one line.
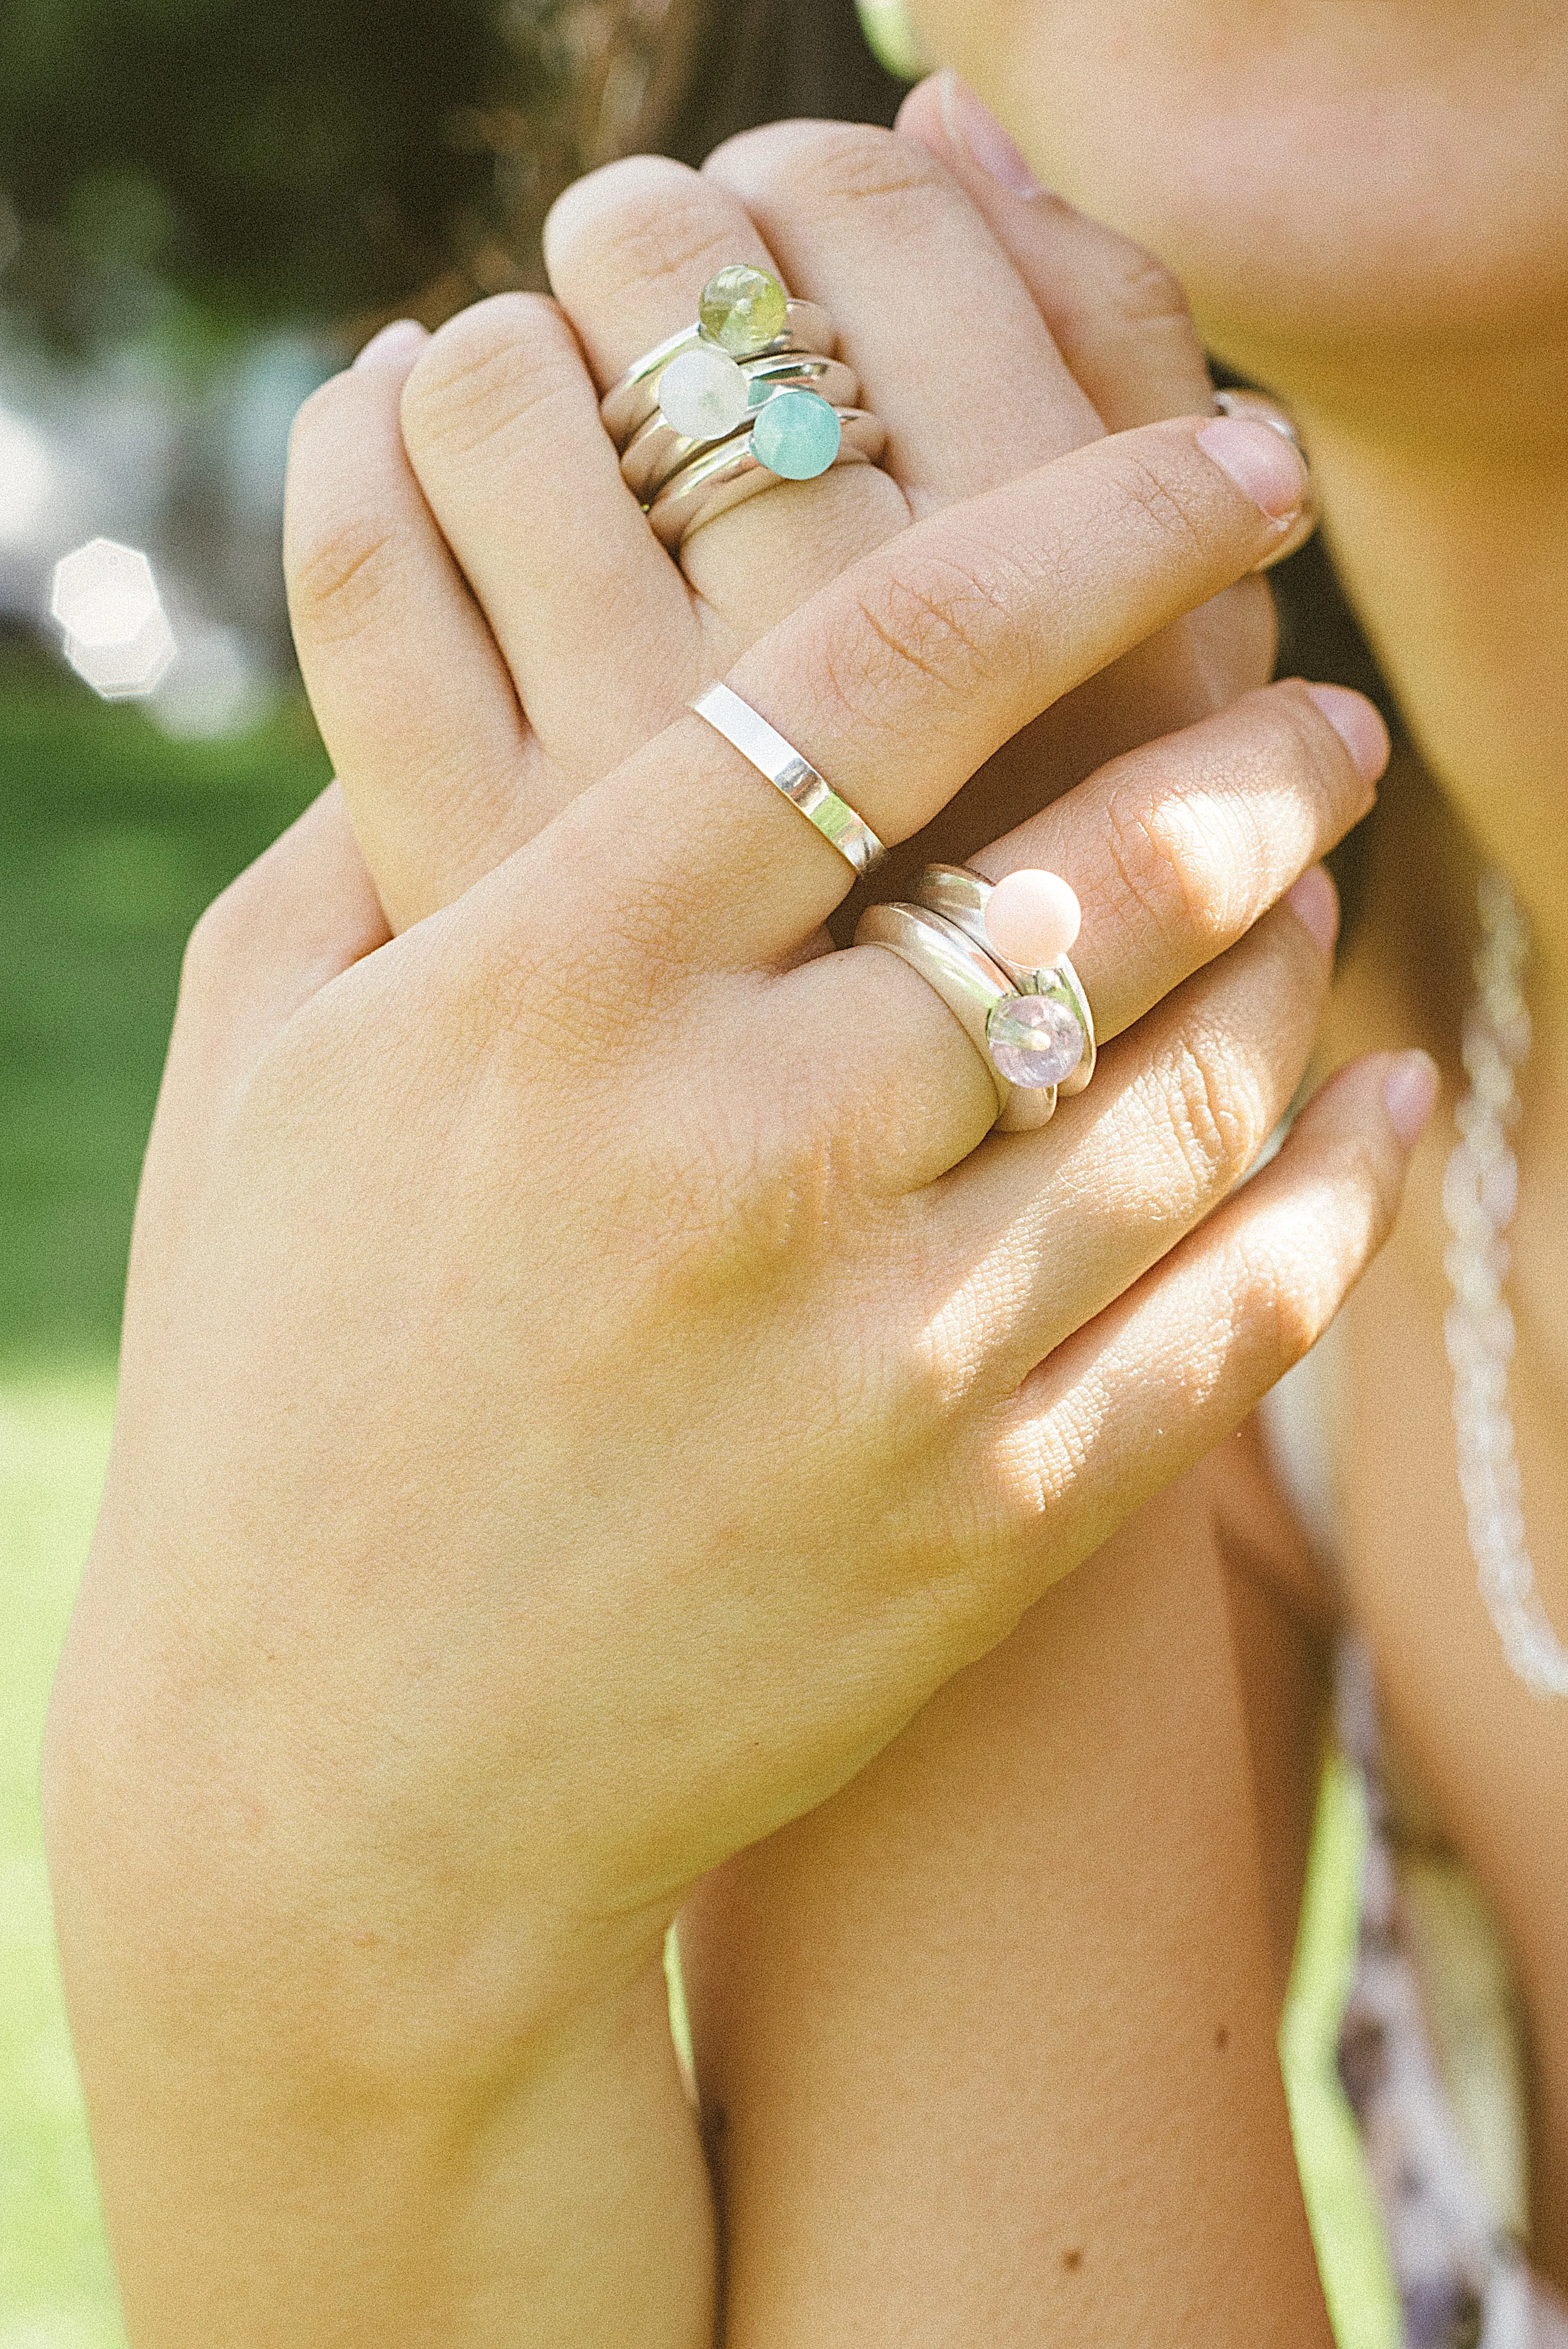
[[758, 344], [1032, 1029]]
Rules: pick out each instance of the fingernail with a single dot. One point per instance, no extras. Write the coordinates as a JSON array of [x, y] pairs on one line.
[[1315, 902], [975, 132], [394, 346], [1358, 724], [1410, 1094], [1259, 461]]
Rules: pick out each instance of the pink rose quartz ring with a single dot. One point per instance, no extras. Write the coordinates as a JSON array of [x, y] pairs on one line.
[[998, 958]]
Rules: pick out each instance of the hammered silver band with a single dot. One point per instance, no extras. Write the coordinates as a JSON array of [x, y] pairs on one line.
[[766, 750]]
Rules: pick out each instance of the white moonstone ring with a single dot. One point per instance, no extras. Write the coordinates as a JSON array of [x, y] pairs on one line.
[[751, 395], [670, 440], [629, 403]]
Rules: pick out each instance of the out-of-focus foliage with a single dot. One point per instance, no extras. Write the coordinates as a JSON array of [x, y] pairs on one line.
[[315, 156]]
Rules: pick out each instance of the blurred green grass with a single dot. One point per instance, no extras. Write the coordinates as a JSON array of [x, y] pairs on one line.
[[114, 839]]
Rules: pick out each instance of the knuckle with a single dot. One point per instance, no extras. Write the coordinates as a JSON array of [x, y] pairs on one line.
[[1218, 1118], [646, 223], [317, 414], [843, 166], [224, 938], [1278, 1308], [1149, 499], [1146, 292], [340, 573], [939, 622], [1181, 866], [487, 371]]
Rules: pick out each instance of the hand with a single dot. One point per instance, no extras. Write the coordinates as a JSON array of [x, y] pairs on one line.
[[585, 1385], [991, 334]]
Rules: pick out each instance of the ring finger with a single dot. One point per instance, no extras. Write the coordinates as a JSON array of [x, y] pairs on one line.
[[1176, 852]]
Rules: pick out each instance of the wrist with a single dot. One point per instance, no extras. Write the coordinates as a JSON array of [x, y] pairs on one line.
[[226, 1892]]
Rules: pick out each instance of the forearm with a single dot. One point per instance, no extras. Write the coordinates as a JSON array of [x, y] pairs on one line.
[[990, 2039], [285, 2160]]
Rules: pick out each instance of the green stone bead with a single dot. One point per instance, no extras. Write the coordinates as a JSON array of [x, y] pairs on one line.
[[742, 310], [797, 435]]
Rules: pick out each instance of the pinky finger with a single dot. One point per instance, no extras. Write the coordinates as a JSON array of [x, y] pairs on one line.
[[1144, 1391]]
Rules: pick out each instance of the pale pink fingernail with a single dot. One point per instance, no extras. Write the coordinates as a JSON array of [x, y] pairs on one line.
[[974, 131], [1259, 461], [1315, 902], [1358, 724], [1410, 1096], [395, 346]]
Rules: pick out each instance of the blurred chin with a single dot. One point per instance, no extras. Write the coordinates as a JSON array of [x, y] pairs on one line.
[[1402, 178]]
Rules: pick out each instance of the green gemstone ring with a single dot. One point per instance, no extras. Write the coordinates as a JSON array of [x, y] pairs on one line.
[[750, 395]]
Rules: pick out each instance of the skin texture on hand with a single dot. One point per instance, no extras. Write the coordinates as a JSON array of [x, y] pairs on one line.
[[585, 1301]]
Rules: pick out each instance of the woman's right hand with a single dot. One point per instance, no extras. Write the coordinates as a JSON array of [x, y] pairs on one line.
[[586, 1384]]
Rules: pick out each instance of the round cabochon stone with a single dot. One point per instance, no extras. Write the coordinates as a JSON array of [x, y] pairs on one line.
[[703, 395], [1035, 1041], [797, 435], [742, 310]]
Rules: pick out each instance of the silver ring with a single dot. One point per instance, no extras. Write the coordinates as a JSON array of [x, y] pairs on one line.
[[729, 473], [974, 986], [1263, 410], [629, 401], [656, 452], [960, 896], [746, 731]]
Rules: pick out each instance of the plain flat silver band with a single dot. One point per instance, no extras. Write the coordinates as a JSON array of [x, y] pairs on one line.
[[629, 401], [726, 474], [971, 982], [656, 452], [802, 785], [960, 895]]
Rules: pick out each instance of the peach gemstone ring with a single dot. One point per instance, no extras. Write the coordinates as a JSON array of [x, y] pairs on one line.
[[996, 955]]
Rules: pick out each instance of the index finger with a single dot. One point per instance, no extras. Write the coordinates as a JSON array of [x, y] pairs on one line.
[[905, 675]]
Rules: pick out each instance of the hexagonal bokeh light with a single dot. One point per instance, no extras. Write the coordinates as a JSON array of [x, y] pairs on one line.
[[117, 636]]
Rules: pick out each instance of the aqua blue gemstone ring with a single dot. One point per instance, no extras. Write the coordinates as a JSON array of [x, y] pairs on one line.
[[657, 452], [725, 476]]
